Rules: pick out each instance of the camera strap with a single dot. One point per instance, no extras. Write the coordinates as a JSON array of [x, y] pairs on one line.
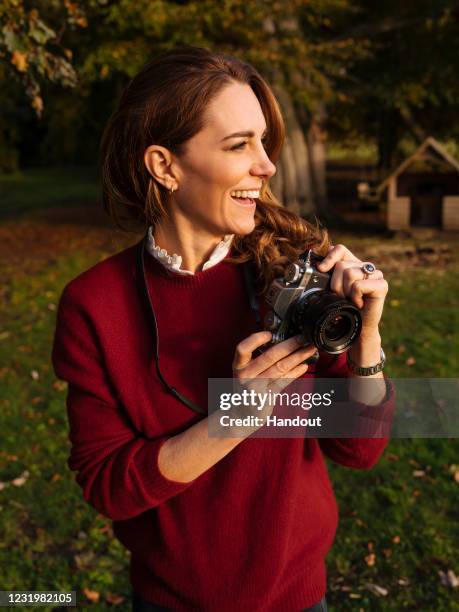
[[248, 269]]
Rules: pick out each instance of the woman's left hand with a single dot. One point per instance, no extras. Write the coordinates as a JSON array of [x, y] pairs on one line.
[[348, 280]]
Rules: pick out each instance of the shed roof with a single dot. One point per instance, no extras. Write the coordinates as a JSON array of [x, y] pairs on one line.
[[428, 142]]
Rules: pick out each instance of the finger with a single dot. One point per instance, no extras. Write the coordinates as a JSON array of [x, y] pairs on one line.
[[354, 273], [337, 253], [337, 279], [372, 289], [284, 367], [275, 354], [260, 363], [263, 383], [245, 348], [280, 383]]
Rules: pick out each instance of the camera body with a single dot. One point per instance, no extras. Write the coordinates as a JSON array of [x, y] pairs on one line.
[[301, 303]]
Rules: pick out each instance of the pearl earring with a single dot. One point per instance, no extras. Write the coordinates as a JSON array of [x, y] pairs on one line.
[[172, 189]]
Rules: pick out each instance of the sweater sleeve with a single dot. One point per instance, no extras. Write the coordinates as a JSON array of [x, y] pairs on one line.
[[117, 466], [359, 453]]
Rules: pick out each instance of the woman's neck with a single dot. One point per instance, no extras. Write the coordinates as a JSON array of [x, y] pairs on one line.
[[193, 246]]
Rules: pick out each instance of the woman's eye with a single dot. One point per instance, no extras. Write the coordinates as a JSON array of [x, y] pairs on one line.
[[239, 146], [264, 142]]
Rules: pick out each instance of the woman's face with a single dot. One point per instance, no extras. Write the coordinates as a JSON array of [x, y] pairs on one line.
[[217, 163]]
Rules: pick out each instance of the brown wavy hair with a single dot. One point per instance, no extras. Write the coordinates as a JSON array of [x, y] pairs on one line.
[[164, 104]]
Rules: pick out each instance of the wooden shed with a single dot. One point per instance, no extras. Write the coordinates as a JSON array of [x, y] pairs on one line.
[[424, 190]]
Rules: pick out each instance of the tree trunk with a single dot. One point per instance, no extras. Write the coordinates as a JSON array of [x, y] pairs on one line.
[[292, 182], [316, 140]]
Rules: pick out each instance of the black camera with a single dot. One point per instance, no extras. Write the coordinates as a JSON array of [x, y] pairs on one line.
[[301, 304]]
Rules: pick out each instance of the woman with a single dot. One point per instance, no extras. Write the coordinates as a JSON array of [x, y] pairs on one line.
[[214, 524]]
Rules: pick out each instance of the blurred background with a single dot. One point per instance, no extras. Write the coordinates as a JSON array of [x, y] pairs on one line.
[[370, 95]]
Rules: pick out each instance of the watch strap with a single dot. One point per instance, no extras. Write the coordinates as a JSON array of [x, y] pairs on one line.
[[366, 371]]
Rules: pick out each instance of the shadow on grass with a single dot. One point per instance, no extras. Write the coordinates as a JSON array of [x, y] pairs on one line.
[[38, 189]]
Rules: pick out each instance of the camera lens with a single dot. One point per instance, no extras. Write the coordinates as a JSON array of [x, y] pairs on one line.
[[331, 322], [338, 327]]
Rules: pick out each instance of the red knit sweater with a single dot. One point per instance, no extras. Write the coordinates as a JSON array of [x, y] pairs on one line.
[[252, 532]]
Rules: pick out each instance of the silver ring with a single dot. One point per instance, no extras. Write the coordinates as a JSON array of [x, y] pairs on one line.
[[368, 268]]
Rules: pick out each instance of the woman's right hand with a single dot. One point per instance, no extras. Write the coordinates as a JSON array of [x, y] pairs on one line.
[[273, 370]]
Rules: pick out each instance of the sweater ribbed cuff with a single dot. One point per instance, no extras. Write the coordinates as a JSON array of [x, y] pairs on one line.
[[155, 483]]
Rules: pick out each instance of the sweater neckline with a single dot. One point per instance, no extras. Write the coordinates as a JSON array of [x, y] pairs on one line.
[[174, 262], [198, 279]]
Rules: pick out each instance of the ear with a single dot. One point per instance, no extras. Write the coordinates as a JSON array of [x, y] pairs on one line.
[[160, 164]]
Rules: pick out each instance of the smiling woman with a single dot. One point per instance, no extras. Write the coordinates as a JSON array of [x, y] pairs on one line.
[[212, 524], [210, 131], [219, 177]]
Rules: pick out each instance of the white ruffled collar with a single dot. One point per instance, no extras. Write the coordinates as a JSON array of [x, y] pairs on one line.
[[174, 262]]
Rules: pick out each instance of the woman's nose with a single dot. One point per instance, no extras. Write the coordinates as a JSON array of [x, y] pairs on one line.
[[264, 166]]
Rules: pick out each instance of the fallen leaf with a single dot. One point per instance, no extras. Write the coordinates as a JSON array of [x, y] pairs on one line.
[[370, 559], [91, 595], [3, 485], [403, 581], [24, 348], [394, 302], [400, 349], [419, 473], [40, 532], [84, 560], [34, 374], [376, 589], [449, 579], [114, 598], [20, 480], [410, 361], [59, 385], [396, 539]]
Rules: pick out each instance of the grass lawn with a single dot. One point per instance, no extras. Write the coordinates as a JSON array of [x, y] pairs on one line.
[[398, 522], [25, 192]]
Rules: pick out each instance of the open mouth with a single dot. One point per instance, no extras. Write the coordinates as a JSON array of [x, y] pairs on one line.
[[247, 202]]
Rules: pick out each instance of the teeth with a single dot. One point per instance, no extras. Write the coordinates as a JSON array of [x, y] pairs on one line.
[[246, 194]]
